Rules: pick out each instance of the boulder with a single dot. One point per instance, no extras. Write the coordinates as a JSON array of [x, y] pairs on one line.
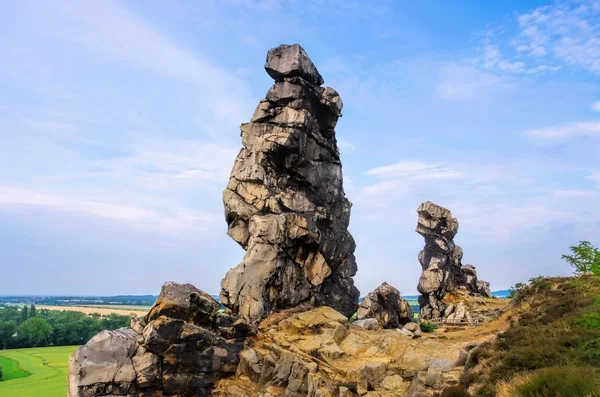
[[386, 306], [291, 61], [182, 347], [285, 202], [367, 323]]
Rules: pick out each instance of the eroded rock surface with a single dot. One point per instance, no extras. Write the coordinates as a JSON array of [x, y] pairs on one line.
[[181, 348], [441, 262], [386, 306], [285, 203], [318, 353]]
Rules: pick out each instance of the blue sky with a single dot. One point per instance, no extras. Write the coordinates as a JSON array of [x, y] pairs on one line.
[[119, 124]]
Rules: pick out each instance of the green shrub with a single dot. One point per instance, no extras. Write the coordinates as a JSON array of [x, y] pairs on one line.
[[591, 352], [427, 326], [561, 382], [589, 320]]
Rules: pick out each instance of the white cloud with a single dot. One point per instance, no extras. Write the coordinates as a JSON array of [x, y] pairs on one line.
[[167, 220], [492, 202], [462, 81], [414, 170], [572, 194], [108, 29], [589, 129], [596, 106], [345, 146], [567, 31]]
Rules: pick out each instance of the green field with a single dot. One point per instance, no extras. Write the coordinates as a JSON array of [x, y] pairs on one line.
[[38, 372]]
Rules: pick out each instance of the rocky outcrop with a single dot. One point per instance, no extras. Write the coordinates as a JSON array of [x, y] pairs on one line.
[[181, 348], [285, 203], [441, 262], [319, 353], [386, 306]]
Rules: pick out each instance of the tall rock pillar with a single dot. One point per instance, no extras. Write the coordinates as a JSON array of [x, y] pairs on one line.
[[285, 202]]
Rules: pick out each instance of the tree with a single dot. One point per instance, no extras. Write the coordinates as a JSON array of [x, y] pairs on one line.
[[34, 332], [585, 258], [32, 312], [24, 314], [512, 291], [7, 330]]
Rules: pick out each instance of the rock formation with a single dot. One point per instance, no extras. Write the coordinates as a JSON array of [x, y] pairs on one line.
[[285, 203], [181, 348], [441, 262], [386, 306]]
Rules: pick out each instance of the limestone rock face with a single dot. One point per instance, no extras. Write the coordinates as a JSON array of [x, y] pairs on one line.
[[285, 203], [386, 306], [181, 348], [441, 262]]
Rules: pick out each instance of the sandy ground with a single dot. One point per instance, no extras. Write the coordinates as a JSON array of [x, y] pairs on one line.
[[103, 310]]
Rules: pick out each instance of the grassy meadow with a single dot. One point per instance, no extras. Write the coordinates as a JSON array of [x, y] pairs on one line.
[[35, 372]]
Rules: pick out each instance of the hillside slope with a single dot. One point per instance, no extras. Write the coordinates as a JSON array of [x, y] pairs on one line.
[[551, 348]]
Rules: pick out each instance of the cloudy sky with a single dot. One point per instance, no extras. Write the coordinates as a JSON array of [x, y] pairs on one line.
[[119, 124]]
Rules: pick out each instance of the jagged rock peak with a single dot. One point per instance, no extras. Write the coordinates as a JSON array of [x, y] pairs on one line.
[[386, 306], [285, 203], [291, 61], [182, 347], [441, 261]]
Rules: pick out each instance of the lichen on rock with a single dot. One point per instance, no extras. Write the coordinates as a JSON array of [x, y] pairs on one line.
[[285, 203]]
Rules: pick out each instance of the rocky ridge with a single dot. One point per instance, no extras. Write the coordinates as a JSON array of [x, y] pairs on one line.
[[180, 348], [285, 202], [443, 271]]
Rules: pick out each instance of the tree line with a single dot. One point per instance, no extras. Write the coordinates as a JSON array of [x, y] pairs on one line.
[[30, 327]]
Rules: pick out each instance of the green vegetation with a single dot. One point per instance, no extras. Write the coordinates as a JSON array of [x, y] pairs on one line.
[[30, 327], [45, 370], [514, 290], [556, 337], [427, 326], [12, 369], [561, 381], [585, 258]]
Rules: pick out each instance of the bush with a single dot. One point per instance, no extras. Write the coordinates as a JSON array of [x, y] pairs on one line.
[[512, 291], [561, 382], [589, 320], [591, 352], [427, 326], [585, 258]]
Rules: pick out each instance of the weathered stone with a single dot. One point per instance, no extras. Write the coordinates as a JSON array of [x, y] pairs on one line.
[[184, 349], [138, 324], [367, 323], [386, 306], [285, 203], [440, 260], [291, 61], [103, 363]]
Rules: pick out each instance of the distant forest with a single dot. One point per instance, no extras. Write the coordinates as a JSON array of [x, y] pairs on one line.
[[31, 327], [130, 300]]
